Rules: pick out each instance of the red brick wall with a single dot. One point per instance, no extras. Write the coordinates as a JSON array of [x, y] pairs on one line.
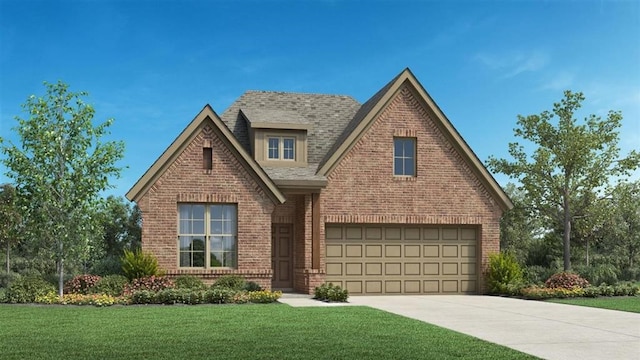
[[185, 180], [362, 188]]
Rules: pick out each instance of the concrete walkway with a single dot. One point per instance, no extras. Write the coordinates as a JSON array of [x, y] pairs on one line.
[[546, 330]]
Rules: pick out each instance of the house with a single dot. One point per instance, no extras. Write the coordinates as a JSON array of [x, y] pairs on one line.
[[293, 190]]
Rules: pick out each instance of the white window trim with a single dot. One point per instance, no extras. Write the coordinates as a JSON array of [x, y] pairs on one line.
[[403, 157]]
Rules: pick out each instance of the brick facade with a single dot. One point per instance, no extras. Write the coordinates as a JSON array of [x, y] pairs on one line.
[[186, 181], [362, 188]]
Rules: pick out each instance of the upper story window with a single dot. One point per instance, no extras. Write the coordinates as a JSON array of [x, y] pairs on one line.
[[404, 156], [281, 148]]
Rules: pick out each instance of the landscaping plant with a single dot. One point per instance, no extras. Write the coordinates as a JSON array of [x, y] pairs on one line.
[[504, 275], [138, 264]]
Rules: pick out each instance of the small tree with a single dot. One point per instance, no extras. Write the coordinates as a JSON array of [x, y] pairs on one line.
[[10, 219], [571, 161], [59, 171]]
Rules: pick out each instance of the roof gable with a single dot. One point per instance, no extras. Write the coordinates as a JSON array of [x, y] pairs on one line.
[[186, 136], [369, 111]]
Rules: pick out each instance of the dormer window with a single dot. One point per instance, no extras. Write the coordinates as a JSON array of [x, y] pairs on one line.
[[281, 148]]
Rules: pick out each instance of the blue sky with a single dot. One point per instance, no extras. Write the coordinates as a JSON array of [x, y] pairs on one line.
[[153, 65]]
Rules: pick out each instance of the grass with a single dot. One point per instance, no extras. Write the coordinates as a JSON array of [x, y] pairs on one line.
[[622, 303], [271, 331]]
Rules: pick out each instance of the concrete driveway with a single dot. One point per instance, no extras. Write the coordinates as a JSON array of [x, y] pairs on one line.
[[546, 330]]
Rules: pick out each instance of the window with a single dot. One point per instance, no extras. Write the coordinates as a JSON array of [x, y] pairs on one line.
[[281, 148], [207, 158], [404, 156], [208, 235]]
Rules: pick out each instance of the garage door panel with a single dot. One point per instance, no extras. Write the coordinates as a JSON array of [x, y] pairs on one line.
[[353, 250], [393, 259]]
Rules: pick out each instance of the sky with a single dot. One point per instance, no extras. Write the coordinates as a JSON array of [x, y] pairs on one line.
[[153, 65]]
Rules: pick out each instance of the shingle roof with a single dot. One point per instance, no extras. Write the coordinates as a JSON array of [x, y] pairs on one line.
[[328, 115], [272, 116]]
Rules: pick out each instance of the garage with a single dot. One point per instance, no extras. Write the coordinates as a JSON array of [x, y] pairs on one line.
[[402, 259]]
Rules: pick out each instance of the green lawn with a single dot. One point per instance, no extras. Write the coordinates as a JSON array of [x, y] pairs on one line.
[[273, 331], [622, 303]]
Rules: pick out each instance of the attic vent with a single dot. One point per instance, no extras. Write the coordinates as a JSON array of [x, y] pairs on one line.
[[207, 158]]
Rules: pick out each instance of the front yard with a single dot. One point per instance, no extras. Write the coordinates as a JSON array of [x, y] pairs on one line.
[[272, 331]]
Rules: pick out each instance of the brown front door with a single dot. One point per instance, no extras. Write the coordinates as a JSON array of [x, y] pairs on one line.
[[281, 255]]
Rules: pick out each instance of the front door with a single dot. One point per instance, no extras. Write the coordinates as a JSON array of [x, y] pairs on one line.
[[281, 256]]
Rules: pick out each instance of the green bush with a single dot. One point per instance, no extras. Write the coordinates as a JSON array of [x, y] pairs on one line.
[[139, 264], [503, 274], [252, 286], [3, 295], [264, 296], [219, 295], [112, 285], [143, 297], [591, 291], [110, 265], [541, 293], [626, 289], [233, 282], [26, 289], [81, 284], [330, 292], [606, 290], [189, 282], [6, 278], [566, 280], [599, 274]]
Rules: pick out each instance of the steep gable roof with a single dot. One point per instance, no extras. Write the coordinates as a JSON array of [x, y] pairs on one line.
[[369, 111], [186, 136]]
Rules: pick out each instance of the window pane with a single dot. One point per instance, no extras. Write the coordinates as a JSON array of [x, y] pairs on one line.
[[215, 259], [288, 149], [198, 212], [216, 243], [274, 144], [185, 259], [197, 227], [408, 148], [230, 212], [184, 211], [397, 147], [230, 259], [185, 243], [229, 243], [216, 212], [184, 227], [197, 244], [198, 259], [409, 167], [216, 227]]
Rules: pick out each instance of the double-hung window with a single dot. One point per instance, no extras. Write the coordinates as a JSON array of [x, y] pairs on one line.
[[404, 156], [281, 148], [208, 235]]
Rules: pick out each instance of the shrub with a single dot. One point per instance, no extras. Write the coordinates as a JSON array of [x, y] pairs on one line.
[[219, 295], [81, 284], [252, 286], [330, 292], [626, 289], [189, 282], [503, 274], [599, 274], [264, 296], [142, 297], [606, 290], [6, 278], [234, 282], [150, 283], [80, 299], [536, 274], [139, 264], [112, 285], [241, 297], [541, 293], [591, 291], [3, 295], [566, 280], [26, 289], [110, 265]]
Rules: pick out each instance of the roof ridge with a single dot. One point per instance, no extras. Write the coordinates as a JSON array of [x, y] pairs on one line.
[[298, 93]]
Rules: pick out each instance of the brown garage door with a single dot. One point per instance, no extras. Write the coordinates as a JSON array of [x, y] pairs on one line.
[[388, 259]]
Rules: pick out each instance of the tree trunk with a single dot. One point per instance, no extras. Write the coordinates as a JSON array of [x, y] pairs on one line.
[[567, 233], [61, 273], [8, 265], [587, 251]]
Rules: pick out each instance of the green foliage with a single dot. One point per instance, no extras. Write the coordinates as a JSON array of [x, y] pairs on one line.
[[566, 280], [26, 289], [11, 220], [3, 296], [503, 273], [151, 283], [59, 169], [112, 285], [121, 224], [599, 274], [264, 296], [234, 282], [252, 286], [219, 295], [331, 293], [98, 300], [7, 278], [81, 284], [142, 297], [138, 264], [108, 265], [542, 293], [571, 161], [189, 282], [536, 274]]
